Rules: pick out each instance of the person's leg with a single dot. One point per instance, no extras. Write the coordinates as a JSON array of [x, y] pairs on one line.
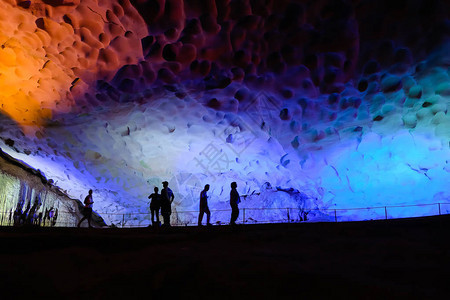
[[208, 216], [157, 215], [166, 218], [82, 219], [89, 218], [200, 217], [152, 211], [234, 215]]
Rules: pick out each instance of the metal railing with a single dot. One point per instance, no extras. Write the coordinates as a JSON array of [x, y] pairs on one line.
[[250, 215], [285, 215]]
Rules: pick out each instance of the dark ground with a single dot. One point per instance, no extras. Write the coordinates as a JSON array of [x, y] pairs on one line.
[[391, 259]]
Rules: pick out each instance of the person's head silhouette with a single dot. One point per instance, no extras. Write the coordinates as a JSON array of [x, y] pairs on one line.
[[207, 187], [233, 185], [156, 189], [165, 184]]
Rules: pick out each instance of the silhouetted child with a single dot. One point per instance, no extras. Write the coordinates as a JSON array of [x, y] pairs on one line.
[[204, 207], [155, 205], [88, 202]]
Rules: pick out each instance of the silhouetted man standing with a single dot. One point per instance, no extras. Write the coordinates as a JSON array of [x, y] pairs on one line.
[[166, 202], [204, 207], [87, 209], [234, 201]]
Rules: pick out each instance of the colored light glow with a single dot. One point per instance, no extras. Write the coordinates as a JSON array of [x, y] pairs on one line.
[[383, 144], [22, 97], [395, 170], [45, 65]]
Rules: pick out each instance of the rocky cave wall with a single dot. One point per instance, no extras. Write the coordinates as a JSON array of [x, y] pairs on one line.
[[306, 104], [29, 199]]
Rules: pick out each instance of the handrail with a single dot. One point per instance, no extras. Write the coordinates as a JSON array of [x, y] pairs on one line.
[[245, 219]]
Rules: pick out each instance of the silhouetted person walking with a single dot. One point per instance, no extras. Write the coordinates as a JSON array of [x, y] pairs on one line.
[[166, 202], [155, 205], [204, 207], [234, 201], [87, 209]]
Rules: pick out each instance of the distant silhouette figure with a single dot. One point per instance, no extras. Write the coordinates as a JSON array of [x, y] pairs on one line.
[[32, 214], [55, 217], [204, 207], [166, 202], [87, 209], [39, 218], [155, 205], [49, 212], [234, 201], [23, 217], [17, 216]]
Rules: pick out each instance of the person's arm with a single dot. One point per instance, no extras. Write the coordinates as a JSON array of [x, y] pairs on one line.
[[235, 199], [172, 196]]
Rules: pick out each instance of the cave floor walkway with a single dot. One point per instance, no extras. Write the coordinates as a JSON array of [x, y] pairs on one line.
[[403, 258]]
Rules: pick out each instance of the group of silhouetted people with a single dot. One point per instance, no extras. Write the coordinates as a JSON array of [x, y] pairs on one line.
[[33, 215], [161, 201], [164, 201]]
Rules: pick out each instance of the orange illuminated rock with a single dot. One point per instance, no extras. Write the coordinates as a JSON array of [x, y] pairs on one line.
[[48, 45]]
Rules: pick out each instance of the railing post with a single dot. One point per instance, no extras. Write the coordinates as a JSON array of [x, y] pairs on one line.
[[289, 218], [439, 208], [244, 215], [123, 220], [335, 216], [385, 212]]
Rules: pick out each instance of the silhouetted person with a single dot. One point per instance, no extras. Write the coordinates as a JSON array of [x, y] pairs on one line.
[[204, 207], [23, 217], [17, 216], [234, 201], [55, 216], [39, 218], [87, 209], [48, 215], [166, 202], [155, 205], [32, 215]]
